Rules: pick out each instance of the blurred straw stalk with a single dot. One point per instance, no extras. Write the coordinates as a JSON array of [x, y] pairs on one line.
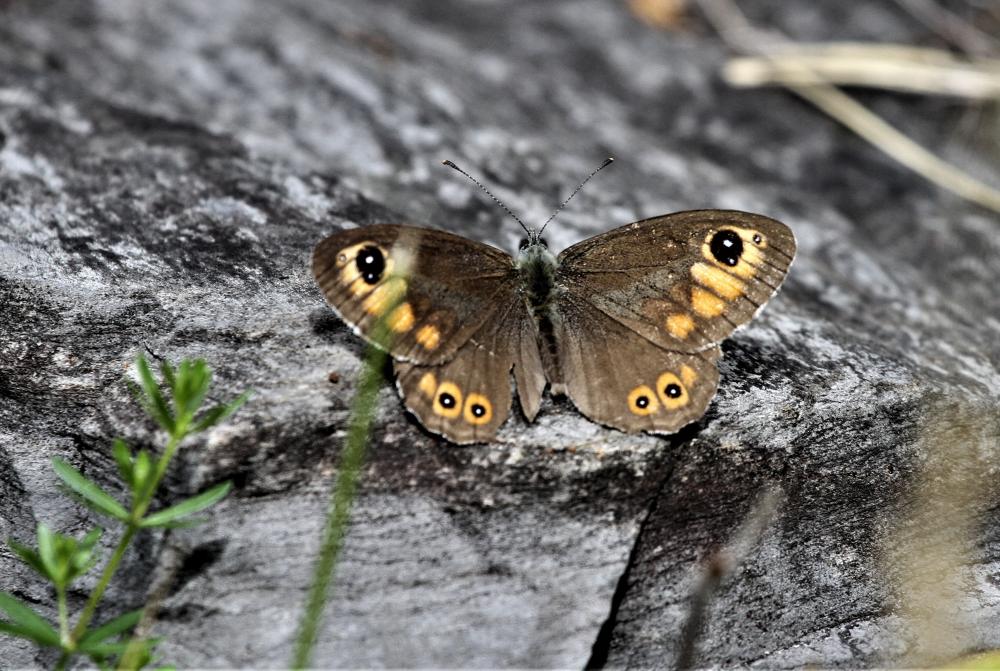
[[895, 67], [815, 71]]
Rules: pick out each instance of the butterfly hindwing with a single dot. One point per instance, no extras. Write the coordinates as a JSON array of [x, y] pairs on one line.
[[683, 281], [618, 378], [433, 289], [467, 398]]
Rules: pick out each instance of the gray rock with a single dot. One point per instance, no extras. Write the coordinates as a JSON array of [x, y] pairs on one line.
[[165, 170]]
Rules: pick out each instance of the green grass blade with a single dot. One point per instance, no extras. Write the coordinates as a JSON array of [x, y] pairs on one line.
[[93, 495], [189, 507], [31, 623]]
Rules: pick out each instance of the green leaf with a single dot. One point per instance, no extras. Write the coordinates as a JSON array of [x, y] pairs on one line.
[[123, 457], [95, 497], [47, 552], [31, 624], [155, 402], [168, 373], [29, 557], [221, 412], [142, 469], [186, 523], [192, 383], [24, 632], [103, 649], [193, 505], [83, 557], [118, 625]]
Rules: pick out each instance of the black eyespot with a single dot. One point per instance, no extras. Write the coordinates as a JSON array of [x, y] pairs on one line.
[[673, 390], [523, 244], [727, 247], [642, 402], [371, 264], [757, 239], [446, 400], [477, 410]]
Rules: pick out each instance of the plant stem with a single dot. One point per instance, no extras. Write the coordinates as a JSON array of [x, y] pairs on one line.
[[339, 507], [64, 638], [63, 616], [145, 497], [140, 506], [102, 584]]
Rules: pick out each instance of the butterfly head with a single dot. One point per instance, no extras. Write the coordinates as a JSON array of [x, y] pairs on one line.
[[532, 240]]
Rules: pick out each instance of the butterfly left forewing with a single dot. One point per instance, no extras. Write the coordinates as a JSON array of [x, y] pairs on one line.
[[429, 289], [683, 281]]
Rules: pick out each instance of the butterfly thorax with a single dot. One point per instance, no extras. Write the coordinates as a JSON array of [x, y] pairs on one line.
[[536, 266]]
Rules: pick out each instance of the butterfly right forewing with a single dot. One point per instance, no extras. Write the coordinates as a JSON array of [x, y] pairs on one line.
[[683, 281]]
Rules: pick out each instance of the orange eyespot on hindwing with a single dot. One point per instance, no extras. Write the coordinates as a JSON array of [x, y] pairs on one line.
[[642, 401], [478, 409], [671, 390], [448, 400]]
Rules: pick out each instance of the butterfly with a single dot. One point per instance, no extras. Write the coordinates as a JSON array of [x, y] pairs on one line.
[[627, 323]]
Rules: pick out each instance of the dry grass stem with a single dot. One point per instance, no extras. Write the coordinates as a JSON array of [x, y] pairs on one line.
[[720, 566], [886, 66], [734, 28], [951, 27]]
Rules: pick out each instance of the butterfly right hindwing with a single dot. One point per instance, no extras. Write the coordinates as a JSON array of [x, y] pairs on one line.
[[617, 378]]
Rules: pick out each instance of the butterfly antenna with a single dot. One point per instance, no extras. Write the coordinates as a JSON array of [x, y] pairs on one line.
[[608, 161], [490, 194]]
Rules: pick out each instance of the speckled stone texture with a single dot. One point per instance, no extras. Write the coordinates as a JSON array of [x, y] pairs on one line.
[[166, 168]]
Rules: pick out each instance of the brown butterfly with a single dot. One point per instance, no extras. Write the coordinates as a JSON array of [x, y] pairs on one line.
[[627, 323]]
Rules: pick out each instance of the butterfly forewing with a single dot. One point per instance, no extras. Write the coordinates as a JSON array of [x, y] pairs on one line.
[[682, 281], [431, 289]]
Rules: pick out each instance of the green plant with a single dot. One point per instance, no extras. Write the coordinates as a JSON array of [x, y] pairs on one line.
[[61, 559]]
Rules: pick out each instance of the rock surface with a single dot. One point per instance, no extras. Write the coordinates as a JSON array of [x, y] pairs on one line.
[[166, 168]]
